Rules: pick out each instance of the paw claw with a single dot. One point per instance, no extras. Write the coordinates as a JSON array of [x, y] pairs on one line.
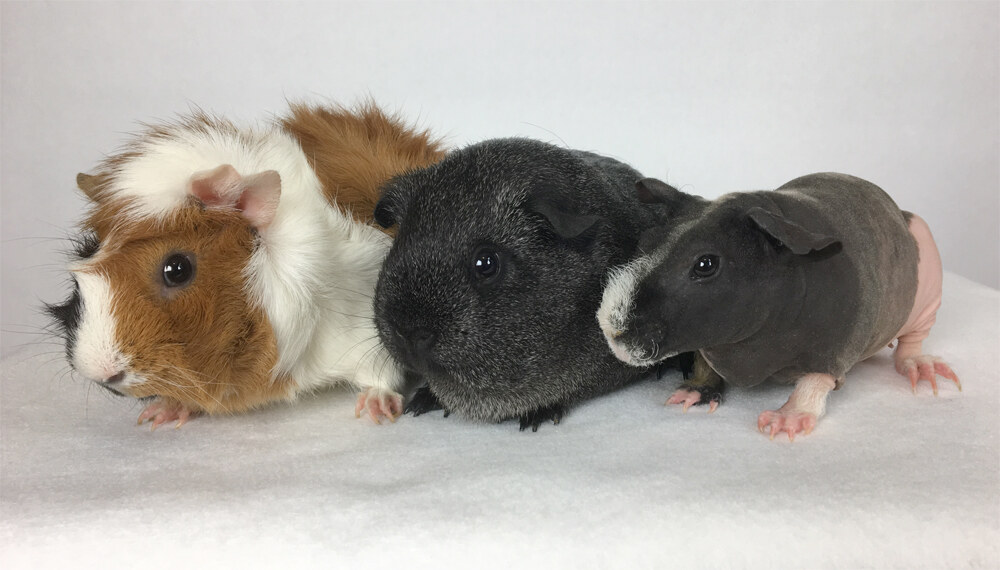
[[925, 367]]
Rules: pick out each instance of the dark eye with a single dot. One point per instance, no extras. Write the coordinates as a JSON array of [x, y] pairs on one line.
[[486, 263], [178, 270], [706, 266]]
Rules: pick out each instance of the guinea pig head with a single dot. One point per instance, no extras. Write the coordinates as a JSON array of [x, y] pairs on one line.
[[713, 280], [492, 280], [159, 306]]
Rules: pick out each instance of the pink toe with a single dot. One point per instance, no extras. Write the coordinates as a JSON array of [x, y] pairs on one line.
[[946, 371], [359, 406], [914, 375], [373, 410]]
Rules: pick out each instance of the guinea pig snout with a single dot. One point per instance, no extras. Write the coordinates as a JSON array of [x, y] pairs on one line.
[[416, 347], [419, 342], [422, 340]]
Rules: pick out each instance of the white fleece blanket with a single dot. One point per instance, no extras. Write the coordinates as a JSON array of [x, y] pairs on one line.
[[888, 479]]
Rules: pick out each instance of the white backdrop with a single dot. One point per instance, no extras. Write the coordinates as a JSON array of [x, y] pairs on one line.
[[713, 97]]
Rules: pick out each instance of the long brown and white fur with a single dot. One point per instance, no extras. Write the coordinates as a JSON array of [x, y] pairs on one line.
[[274, 220]]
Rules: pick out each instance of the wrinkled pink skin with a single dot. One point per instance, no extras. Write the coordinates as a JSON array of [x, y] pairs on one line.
[[808, 401], [910, 361]]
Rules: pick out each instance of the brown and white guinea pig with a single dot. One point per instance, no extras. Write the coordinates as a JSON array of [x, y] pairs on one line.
[[222, 268]]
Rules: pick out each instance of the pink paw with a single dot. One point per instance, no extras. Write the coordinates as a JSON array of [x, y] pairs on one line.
[[161, 412], [690, 398], [379, 403], [925, 367], [786, 421]]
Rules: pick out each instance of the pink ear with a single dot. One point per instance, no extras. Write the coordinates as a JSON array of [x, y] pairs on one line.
[[256, 196], [259, 201], [218, 187]]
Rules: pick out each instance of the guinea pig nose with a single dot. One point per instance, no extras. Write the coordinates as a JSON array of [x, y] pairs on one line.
[[115, 379], [422, 339]]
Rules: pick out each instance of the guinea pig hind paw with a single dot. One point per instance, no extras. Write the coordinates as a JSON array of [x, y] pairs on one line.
[[379, 403], [925, 367]]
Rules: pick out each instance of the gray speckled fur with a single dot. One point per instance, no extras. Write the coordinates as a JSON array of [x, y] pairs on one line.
[[770, 314], [529, 340]]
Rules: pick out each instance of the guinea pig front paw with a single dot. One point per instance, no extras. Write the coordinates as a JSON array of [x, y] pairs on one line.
[[160, 412], [423, 401], [537, 417], [697, 396], [380, 403], [790, 421], [926, 367]]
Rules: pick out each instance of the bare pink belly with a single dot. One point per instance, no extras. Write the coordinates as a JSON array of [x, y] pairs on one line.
[[928, 298]]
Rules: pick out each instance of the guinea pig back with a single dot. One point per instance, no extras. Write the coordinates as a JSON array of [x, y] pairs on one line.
[[221, 268], [490, 289]]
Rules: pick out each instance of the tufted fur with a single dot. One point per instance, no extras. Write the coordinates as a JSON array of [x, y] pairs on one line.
[[274, 309]]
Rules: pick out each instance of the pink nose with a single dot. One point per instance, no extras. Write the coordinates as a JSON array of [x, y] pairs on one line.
[[115, 379]]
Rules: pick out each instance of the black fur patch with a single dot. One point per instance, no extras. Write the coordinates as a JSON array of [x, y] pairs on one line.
[[86, 246], [66, 318]]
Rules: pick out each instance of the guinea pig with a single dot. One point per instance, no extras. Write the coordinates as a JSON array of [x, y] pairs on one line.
[[221, 268], [489, 290], [794, 285]]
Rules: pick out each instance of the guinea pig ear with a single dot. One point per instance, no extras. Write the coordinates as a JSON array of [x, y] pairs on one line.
[[255, 196], [560, 213], [653, 191], [88, 184], [787, 233], [392, 206]]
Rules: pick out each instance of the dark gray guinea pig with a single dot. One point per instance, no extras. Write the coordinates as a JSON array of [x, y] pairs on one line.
[[490, 289], [795, 285]]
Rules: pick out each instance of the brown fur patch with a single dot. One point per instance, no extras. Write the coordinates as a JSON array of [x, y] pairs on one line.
[[202, 345], [354, 152]]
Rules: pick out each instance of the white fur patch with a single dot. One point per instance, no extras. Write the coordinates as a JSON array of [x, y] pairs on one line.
[[96, 354], [617, 305], [809, 395]]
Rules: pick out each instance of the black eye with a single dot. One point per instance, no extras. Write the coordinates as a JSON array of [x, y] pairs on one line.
[[706, 266], [178, 270], [486, 263]]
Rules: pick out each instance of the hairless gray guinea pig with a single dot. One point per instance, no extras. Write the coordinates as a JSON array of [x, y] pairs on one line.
[[490, 288], [795, 285]]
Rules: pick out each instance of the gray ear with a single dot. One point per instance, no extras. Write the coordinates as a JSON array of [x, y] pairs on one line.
[[653, 191], [560, 212], [797, 239], [396, 197]]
